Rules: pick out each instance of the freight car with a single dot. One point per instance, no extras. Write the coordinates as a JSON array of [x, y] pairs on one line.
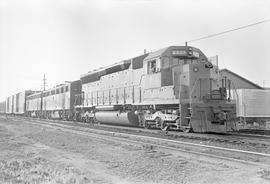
[[3, 107], [16, 104], [55, 103], [172, 88], [252, 107]]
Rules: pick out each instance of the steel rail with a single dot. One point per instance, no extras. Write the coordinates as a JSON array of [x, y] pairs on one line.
[[99, 134], [111, 137], [163, 140], [250, 135], [235, 134]]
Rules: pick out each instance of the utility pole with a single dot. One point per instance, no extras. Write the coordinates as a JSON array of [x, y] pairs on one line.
[[44, 82]]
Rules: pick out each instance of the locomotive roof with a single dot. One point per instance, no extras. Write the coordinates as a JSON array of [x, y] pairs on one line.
[[147, 56], [166, 50], [136, 62], [37, 93], [104, 68], [58, 86], [156, 53], [52, 88]]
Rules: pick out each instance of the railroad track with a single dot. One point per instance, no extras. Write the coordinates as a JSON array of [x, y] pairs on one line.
[[215, 136], [251, 135], [198, 151], [255, 131], [232, 138]]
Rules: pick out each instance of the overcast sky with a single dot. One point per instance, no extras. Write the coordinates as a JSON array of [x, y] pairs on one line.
[[66, 38]]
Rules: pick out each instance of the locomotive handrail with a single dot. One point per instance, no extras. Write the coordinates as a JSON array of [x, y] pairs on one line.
[[237, 96], [190, 99]]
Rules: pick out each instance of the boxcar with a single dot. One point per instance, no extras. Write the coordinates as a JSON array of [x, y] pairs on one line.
[[16, 104], [9, 105], [3, 107], [252, 105]]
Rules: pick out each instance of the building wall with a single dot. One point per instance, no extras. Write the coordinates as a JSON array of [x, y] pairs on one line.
[[238, 81]]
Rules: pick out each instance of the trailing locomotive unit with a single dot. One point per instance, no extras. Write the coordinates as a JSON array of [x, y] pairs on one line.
[[55, 103], [172, 88]]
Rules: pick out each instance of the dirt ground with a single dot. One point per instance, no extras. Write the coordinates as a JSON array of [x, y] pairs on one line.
[[37, 154]]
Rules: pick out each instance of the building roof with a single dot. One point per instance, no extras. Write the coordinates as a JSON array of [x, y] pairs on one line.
[[246, 80]]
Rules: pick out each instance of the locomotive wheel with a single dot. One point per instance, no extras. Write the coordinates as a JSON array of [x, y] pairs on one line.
[[91, 121], [146, 125], [188, 130], [87, 119], [163, 125]]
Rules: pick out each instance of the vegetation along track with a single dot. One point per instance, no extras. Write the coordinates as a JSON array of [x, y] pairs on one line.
[[198, 151]]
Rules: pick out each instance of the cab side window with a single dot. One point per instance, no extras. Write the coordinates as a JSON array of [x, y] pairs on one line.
[[152, 67]]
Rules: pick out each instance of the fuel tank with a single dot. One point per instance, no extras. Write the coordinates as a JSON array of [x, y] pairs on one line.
[[117, 118]]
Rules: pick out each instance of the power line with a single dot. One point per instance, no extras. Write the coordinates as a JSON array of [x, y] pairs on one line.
[[228, 31], [217, 34]]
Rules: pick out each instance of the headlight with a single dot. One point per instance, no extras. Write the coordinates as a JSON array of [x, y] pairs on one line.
[[175, 112], [195, 69], [196, 54]]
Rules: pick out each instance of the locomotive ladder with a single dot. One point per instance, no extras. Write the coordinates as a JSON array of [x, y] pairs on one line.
[[189, 116]]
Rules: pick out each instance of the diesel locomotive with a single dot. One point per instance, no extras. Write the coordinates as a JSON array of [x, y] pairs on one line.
[[55, 103], [173, 88]]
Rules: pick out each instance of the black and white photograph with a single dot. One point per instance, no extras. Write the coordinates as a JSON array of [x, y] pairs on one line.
[[134, 91]]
